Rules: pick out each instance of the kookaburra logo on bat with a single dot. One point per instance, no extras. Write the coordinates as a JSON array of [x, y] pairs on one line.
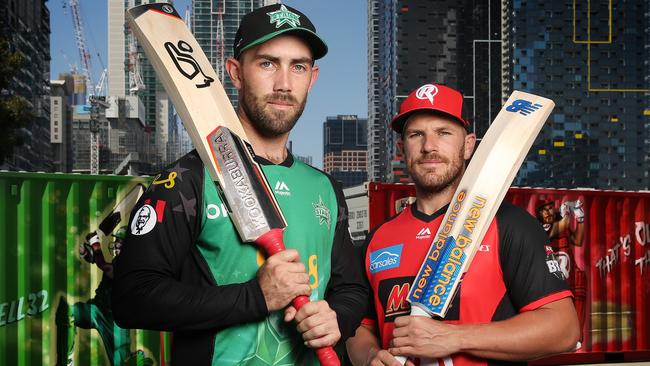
[[181, 54]]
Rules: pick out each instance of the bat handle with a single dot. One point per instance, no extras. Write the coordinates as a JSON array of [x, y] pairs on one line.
[[272, 242], [417, 311]]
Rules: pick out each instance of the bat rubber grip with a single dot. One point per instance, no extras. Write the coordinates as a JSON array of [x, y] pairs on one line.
[[271, 243]]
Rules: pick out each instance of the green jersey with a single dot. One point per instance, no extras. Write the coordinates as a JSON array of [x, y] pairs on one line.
[[209, 295]]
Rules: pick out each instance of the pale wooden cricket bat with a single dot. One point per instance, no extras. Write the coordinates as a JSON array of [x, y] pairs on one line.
[[476, 201], [215, 130]]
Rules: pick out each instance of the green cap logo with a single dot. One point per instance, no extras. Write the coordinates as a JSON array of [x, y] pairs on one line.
[[284, 16]]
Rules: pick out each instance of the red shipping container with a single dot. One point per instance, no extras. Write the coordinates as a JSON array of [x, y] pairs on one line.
[[602, 241]]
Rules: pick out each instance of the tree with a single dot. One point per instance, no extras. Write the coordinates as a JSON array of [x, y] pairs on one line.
[[15, 111]]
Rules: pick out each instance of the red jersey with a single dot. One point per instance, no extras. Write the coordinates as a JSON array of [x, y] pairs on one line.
[[509, 273]]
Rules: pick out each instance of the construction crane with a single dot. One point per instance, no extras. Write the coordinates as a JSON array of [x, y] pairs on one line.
[[136, 84], [84, 55], [96, 103], [219, 42]]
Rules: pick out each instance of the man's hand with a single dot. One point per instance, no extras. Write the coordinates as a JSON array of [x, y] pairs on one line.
[[282, 278], [423, 337], [316, 322], [381, 357]]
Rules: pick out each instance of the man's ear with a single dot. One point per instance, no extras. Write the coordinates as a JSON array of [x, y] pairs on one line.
[[314, 76], [400, 144], [233, 66], [470, 143]]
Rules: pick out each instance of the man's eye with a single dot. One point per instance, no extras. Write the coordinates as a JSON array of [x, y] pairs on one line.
[[266, 64], [300, 68]]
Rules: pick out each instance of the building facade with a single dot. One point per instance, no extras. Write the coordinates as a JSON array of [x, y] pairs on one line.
[[456, 43], [345, 149], [593, 59], [26, 27], [131, 74], [61, 107], [214, 24]]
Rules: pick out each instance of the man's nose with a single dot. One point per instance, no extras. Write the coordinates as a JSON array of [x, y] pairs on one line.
[[429, 143], [282, 80]]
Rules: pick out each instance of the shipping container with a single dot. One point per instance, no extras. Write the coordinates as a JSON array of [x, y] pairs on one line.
[[48, 292], [602, 242]]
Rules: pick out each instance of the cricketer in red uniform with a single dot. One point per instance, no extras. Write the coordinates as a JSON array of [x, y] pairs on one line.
[[512, 305]]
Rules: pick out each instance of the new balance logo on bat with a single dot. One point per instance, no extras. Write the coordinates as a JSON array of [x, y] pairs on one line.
[[281, 189], [523, 106], [425, 233]]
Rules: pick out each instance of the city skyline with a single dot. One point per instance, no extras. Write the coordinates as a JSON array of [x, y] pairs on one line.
[[604, 150], [340, 89]]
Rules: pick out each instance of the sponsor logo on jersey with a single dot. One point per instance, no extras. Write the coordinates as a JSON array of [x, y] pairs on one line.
[[385, 258], [484, 248], [160, 209], [393, 294], [281, 189], [424, 233], [170, 182], [553, 265], [564, 261], [322, 212], [213, 211], [144, 220], [313, 272]]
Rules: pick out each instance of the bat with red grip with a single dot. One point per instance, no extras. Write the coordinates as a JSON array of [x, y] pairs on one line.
[[215, 130], [272, 243]]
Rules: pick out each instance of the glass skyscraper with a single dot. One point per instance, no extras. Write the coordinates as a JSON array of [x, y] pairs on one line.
[[410, 43], [345, 149], [214, 24], [592, 58]]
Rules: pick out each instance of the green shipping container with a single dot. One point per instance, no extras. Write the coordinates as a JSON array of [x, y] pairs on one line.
[[49, 293]]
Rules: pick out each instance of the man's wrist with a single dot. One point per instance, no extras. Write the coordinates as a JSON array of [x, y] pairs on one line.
[[372, 352], [463, 338]]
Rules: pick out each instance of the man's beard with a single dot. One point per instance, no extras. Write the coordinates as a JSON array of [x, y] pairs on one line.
[[430, 183], [271, 123]]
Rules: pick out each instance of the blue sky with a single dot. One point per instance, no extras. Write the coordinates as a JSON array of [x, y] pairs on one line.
[[340, 89]]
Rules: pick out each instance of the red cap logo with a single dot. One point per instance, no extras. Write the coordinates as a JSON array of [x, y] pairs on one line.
[[432, 97], [427, 91]]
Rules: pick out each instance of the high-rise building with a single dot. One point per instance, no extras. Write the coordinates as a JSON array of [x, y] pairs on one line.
[[61, 106], [26, 26], [305, 159], [345, 149], [456, 43], [593, 59], [214, 24], [131, 74]]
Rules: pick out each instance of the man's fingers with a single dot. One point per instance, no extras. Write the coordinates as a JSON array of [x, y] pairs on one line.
[[319, 330], [289, 313], [383, 357], [401, 351], [402, 321], [289, 255], [326, 341]]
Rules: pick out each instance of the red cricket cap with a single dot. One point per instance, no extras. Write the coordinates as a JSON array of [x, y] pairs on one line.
[[434, 97]]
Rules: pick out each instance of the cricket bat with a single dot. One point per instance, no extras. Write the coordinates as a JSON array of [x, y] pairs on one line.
[[215, 130], [476, 201]]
